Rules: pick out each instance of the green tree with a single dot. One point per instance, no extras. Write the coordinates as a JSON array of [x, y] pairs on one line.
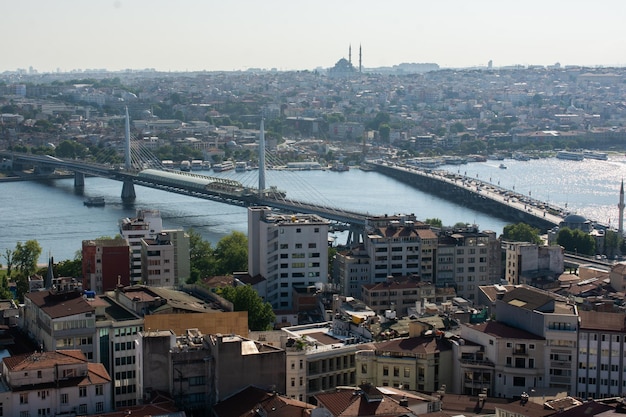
[[231, 254], [435, 222], [575, 240], [25, 256], [521, 232], [245, 298], [201, 259], [8, 256], [612, 243], [68, 268], [384, 131]]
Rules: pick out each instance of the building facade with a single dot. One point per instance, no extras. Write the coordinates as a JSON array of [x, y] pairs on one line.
[[106, 264], [288, 251]]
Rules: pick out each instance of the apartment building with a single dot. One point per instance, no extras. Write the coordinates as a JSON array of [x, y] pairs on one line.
[[526, 262], [466, 259], [157, 262], [400, 246], [54, 383], [288, 250], [145, 225], [105, 264], [352, 270], [601, 351]]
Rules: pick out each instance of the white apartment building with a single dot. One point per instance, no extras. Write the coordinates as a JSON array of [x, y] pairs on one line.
[[525, 261], [353, 270], [157, 261], [288, 251], [54, 383], [145, 225]]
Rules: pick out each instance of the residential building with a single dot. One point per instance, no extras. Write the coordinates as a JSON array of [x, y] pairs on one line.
[[400, 246], [351, 270], [365, 400], [417, 363], [157, 262], [526, 263], [253, 400], [61, 319], [400, 294], [321, 356], [466, 259], [146, 224], [105, 264], [617, 276], [54, 383], [601, 351], [288, 250]]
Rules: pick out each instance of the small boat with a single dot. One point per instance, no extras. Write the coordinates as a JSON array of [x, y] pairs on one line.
[[241, 166], [185, 166], [502, 166], [94, 202]]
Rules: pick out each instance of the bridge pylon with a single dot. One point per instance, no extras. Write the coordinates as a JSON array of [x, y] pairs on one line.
[[355, 235], [128, 188], [128, 191], [79, 179]]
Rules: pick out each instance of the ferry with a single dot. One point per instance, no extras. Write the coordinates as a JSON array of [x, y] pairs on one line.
[[94, 202], [603, 156], [241, 166], [185, 166], [197, 165], [224, 166], [168, 164], [569, 155]]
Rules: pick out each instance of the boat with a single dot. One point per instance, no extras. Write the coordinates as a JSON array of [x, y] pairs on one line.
[[185, 166], [197, 165], [241, 166], [340, 167], [224, 166], [520, 156], [569, 155], [502, 166], [94, 202], [603, 156], [167, 164]]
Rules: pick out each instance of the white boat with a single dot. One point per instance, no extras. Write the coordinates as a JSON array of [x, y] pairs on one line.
[[185, 166], [569, 155], [224, 166], [197, 165], [168, 164], [502, 166], [241, 166], [603, 156]]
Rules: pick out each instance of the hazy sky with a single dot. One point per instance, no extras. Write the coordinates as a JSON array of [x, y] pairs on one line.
[[182, 35]]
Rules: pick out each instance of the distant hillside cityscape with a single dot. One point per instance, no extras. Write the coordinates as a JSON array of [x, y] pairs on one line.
[[416, 319]]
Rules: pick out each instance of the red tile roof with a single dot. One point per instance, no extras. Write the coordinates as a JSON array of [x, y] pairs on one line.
[[354, 403], [57, 305]]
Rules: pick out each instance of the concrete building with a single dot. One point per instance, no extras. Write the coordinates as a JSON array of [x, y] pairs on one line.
[[526, 263], [351, 270], [617, 276], [551, 317], [288, 250], [54, 383], [321, 356], [400, 246], [466, 259], [157, 262], [61, 319], [416, 363], [145, 225], [106, 264], [601, 351], [362, 401]]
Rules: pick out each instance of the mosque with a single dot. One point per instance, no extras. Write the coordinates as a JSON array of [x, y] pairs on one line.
[[344, 68]]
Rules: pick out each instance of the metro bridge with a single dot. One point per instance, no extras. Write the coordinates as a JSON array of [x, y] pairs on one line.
[[148, 172]]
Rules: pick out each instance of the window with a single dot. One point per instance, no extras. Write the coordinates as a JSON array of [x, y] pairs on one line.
[[519, 381], [64, 399], [24, 398], [82, 391], [385, 370], [99, 390], [82, 409], [99, 407]]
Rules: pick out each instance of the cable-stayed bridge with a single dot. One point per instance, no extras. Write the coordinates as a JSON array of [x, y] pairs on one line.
[[142, 168]]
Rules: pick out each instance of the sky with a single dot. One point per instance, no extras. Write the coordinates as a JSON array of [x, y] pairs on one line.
[[226, 35]]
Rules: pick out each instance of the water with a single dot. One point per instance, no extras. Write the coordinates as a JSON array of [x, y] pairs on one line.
[[53, 212]]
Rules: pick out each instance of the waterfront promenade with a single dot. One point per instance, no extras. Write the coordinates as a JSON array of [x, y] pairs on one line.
[[479, 195]]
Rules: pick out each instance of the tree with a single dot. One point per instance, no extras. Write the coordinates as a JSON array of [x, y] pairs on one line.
[[201, 258], [612, 242], [25, 256], [575, 240], [245, 298], [521, 232], [8, 256], [435, 222], [231, 254], [384, 131]]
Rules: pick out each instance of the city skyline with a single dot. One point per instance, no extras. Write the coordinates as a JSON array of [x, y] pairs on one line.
[[195, 35]]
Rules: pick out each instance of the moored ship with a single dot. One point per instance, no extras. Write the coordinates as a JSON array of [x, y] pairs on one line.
[[570, 155]]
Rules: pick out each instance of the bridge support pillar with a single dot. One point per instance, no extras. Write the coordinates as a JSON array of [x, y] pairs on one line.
[[79, 179], [128, 191], [355, 235]]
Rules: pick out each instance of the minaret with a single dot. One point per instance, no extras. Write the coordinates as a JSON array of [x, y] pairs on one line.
[[360, 60], [621, 206], [350, 54]]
